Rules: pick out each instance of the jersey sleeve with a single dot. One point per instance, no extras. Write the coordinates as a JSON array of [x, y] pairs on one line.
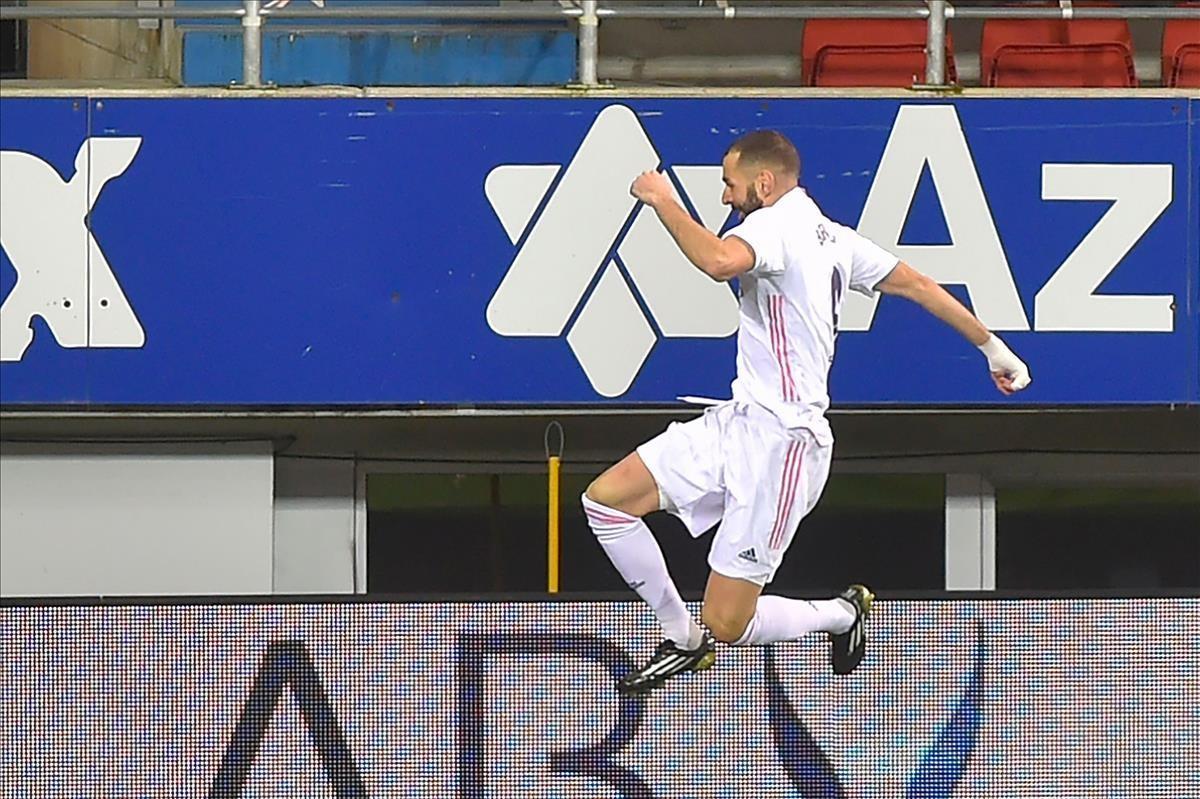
[[764, 238], [869, 263]]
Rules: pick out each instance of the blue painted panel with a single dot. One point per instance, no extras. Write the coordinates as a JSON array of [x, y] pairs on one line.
[[324, 252], [54, 130], [375, 52], [425, 57], [324, 21]]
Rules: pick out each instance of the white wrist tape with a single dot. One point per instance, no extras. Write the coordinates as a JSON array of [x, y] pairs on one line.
[[1001, 359]]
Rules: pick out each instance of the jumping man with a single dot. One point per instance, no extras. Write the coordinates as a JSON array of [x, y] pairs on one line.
[[758, 463]]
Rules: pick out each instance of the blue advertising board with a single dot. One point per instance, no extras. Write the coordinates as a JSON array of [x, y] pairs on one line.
[[290, 251]]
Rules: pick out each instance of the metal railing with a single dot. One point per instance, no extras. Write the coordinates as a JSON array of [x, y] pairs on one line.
[[589, 13]]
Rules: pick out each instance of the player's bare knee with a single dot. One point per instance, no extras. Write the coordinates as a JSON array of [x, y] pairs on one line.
[[725, 627], [614, 489], [601, 492]]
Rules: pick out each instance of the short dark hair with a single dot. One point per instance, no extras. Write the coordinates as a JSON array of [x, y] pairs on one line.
[[769, 149]]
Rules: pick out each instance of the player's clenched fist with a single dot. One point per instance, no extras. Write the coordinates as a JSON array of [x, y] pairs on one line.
[[1008, 371], [651, 188]]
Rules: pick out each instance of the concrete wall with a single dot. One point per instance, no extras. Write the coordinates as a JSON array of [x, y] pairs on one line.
[[94, 519], [314, 526], [101, 49]]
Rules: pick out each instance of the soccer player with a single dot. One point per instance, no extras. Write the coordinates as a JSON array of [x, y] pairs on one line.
[[758, 463]]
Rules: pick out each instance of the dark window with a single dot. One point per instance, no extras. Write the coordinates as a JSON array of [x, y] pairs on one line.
[[887, 531], [1097, 537], [487, 533], [456, 532], [13, 46]]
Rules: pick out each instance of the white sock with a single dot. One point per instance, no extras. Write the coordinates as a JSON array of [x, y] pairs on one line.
[[778, 618], [633, 549]]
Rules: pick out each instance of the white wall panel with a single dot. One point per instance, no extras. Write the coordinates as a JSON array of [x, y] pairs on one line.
[[314, 526], [85, 519]]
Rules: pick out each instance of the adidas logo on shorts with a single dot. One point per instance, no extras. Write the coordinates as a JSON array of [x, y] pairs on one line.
[[748, 554]]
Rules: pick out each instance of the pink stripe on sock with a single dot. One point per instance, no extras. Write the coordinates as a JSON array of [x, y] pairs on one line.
[[611, 518]]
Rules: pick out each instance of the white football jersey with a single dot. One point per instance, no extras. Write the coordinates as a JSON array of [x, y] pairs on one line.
[[790, 303]]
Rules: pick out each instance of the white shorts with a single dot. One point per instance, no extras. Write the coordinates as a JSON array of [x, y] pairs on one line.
[[738, 465]]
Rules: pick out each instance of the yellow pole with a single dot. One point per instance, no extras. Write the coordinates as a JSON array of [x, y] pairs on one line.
[[552, 527]]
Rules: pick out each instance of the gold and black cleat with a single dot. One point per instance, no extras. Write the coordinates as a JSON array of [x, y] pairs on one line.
[[668, 660], [846, 649]]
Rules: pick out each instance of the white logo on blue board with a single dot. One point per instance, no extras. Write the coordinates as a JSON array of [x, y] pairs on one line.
[[62, 274], [584, 239]]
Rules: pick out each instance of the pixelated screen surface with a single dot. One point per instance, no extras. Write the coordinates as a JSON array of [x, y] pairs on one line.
[[996, 698]]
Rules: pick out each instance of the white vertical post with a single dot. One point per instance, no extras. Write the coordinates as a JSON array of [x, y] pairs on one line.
[[252, 44], [970, 533], [360, 528], [935, 44], [589, 46]]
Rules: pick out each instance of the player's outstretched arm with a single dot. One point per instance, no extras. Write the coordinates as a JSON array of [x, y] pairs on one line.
[[720, 259], [1008, 371]]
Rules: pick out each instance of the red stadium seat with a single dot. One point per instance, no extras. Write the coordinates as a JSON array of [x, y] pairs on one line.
[[1097, 31], [1102, 65], [1181, 52], [1186, 72], [999, 33], [1054, 52], [867, 52]]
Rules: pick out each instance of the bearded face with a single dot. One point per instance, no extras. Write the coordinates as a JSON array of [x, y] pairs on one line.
[[752, 202]]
